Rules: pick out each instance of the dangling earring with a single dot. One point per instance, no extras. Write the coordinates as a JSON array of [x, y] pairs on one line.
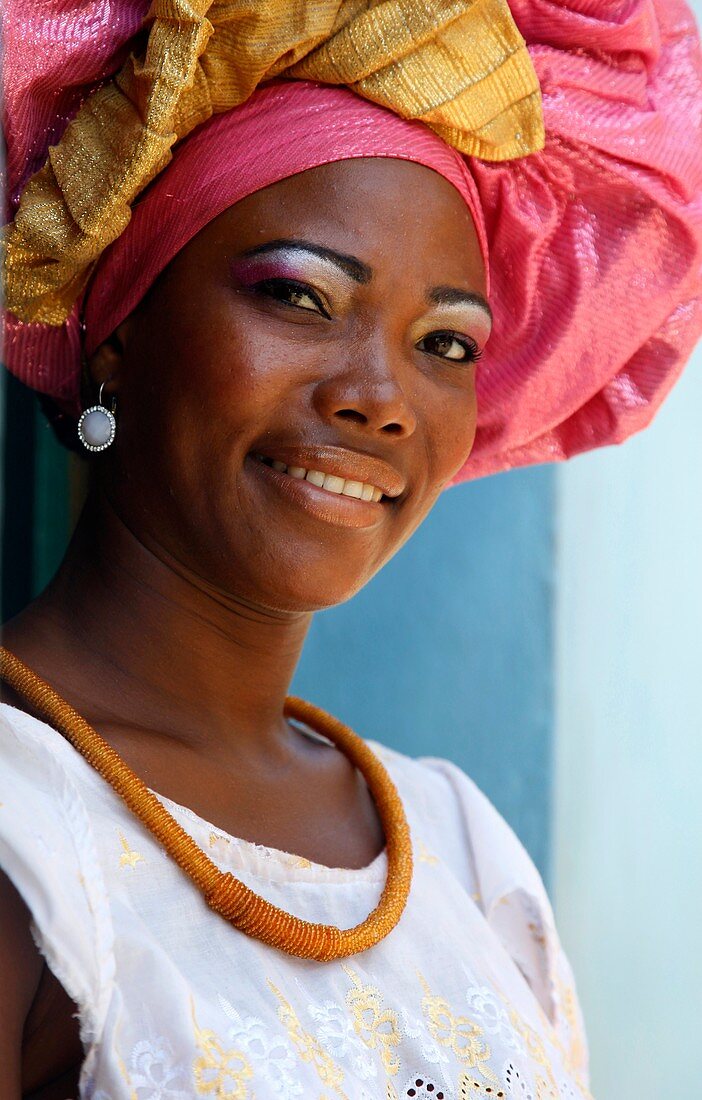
[[97, 426]]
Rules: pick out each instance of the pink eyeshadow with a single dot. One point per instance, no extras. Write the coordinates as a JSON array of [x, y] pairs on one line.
[[258, 270]]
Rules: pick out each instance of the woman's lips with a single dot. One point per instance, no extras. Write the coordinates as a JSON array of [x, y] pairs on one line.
[[333, 483], [341, 501], [340, 462]]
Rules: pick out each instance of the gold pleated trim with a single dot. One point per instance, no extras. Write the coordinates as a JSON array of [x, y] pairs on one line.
[[460, 66]]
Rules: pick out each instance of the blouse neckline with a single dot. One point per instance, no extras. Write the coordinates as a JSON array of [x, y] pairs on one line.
[[228, 851]]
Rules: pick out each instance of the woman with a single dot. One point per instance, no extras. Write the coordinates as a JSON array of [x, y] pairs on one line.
[[281, 355]]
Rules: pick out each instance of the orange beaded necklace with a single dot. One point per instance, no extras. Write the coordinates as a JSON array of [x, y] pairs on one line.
[[224, 893]]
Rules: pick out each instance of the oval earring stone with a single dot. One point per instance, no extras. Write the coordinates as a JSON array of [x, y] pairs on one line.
[[96, 428]]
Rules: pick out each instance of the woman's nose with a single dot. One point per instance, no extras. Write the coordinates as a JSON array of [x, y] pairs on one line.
[[368, 393]]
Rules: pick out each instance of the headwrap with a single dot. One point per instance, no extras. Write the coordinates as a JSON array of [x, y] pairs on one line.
[[594, 242]]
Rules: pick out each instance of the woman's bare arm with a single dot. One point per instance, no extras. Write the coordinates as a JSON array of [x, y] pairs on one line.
[[21, 968]]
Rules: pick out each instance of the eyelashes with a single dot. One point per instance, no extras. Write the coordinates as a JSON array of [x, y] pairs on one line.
[[449, 346], [446, 345], [292, 293]]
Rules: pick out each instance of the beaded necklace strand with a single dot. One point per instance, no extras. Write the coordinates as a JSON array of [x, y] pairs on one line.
[[223, 892]]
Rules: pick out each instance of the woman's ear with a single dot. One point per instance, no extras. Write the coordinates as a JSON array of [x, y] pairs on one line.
[[105, 365]]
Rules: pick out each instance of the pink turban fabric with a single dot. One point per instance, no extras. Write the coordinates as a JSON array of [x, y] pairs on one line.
[[594, 245]]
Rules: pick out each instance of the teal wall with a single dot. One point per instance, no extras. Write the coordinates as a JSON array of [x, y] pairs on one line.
[[35, 496]]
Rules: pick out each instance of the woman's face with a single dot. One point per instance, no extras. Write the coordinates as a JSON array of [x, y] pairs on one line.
[[325, 327]]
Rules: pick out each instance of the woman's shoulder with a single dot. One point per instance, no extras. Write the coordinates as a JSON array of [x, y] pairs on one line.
[[455, 824], [39, 761], [437, 792], [32, 780]]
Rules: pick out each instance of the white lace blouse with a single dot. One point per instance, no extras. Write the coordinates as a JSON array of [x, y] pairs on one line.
[[469, 996]]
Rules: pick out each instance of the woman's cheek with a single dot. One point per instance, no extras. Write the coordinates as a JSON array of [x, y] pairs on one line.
[[453, 435]]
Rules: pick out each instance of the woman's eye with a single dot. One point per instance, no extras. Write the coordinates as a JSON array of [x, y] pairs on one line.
[[449, 346], [293, 294]]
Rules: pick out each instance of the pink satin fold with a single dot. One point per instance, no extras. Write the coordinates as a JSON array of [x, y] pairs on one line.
[[595, 244]]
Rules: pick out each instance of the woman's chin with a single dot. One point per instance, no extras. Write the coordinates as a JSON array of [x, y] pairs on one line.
[[300, 578], [286, 573], [306, 594]]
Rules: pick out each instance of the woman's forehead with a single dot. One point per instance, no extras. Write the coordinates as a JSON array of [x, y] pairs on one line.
[[380, 212]]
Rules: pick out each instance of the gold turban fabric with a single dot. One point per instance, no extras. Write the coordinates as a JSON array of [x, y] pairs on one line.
[[459, 66]]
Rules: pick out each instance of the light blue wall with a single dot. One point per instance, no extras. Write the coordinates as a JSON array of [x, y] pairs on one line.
[[627, 826], [628, 780], [449, 650]]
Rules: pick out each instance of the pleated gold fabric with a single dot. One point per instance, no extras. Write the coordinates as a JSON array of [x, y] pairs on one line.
[[460, 66]]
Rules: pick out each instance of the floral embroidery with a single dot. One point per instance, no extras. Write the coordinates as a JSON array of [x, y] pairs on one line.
[[337, 1035], [376, 1026], [154, 1073], [129, 858], [218, 1072], [484, 1003], [308, 1048], [269, 1053], [415, 1028], [535, 1049], [459, 1033]]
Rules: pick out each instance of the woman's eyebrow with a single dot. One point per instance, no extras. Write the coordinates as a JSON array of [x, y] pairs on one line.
[[362, 273], [350, 265], [451, 295]]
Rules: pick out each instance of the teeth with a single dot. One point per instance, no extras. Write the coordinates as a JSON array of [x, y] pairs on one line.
[[331, 482], [316, 478], [353, 489]]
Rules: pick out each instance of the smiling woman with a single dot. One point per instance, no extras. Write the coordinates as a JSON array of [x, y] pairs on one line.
[[349, 371], [286, 334]]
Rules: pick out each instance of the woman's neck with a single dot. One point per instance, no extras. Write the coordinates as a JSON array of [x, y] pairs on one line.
[[135, 640]]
